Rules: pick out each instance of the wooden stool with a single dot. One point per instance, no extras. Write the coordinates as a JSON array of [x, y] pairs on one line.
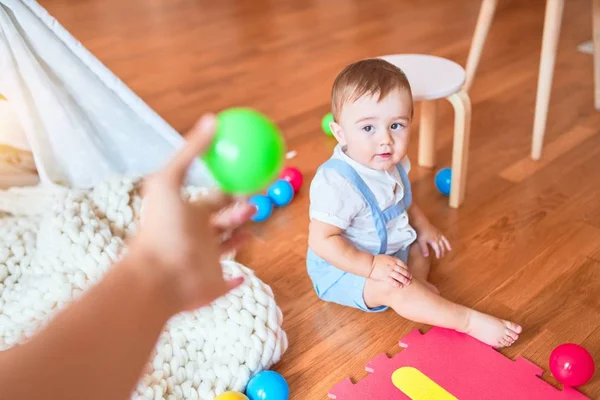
[[432, 78], [551, 34]]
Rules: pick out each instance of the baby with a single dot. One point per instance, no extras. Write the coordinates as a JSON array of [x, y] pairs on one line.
[[369, 243]]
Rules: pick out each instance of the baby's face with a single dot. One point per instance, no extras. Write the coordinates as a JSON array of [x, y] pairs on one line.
[[376, 133]]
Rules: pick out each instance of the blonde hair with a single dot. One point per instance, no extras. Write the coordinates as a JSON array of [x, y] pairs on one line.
[[371, 77]]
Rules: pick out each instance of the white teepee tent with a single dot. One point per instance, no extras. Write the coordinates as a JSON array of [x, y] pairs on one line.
[[81, 123]]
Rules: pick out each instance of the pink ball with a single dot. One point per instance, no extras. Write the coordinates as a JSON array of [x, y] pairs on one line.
[[571, 364], [293, 176]]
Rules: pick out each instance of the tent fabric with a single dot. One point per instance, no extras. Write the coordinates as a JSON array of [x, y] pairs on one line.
[[80, 121]]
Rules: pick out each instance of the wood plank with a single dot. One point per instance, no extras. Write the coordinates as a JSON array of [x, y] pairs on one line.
[[526, 167], [525, 241]]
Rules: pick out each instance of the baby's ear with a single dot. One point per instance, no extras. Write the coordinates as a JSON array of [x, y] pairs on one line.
[[338, 132]]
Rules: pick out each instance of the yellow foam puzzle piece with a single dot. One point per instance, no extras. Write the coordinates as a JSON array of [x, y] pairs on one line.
[[419, 386]]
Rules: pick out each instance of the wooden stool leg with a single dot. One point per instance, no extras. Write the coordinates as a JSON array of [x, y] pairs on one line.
[[460, 153], [484, 21], [596, 49], [554, 11], [427, 133]]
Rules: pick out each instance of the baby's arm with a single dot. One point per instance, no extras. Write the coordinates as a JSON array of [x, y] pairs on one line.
[[328, 243], [417, 217], [334, 203]]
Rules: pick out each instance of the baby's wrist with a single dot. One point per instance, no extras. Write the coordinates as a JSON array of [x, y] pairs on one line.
[[371, 265]]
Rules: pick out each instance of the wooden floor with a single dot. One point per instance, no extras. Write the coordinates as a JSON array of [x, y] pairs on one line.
[[527, 240]]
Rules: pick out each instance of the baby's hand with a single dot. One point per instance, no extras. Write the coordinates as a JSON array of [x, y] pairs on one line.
[[391, 269], [429, 235]]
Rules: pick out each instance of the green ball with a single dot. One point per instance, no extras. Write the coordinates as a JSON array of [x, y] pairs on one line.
[[247, 152], [328, 118]]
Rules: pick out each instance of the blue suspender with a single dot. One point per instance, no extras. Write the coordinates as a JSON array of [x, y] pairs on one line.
[[407, 189], [381, 218], [352, 176]]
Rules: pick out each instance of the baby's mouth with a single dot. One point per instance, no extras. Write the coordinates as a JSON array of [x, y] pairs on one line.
[[384, 156]]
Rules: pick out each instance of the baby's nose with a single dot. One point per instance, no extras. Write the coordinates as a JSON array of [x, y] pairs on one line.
[[386, 138]]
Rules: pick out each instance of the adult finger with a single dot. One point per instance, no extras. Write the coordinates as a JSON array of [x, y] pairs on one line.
[[442, 248], [237, 238], [234, 282], [230, 284], [234, 216], [216, 201], [215, 291], [198, 140]]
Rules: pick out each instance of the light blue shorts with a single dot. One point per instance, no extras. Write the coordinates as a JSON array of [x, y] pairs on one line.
[[340, 287]]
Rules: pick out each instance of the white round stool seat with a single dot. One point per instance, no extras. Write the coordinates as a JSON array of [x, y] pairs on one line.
[[430, 77]]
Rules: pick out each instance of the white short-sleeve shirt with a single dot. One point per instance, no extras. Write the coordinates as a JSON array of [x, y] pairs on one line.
[[335, 201]]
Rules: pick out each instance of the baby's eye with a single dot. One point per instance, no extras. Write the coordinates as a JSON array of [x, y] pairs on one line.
[[397, 126], [368, 128]]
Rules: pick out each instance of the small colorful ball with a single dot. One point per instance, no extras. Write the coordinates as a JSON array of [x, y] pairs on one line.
[[281, 192], [327, 119], [293, 176], [267, 385], [571, 364], [264, 207], [443, 180], [231, 396], [247, 152]]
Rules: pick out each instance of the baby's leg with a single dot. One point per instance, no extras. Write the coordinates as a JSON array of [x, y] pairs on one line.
[[417, 303], [419, 266]]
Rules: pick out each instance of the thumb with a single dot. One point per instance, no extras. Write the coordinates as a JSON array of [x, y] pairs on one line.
[[198, 141], [424, 247]]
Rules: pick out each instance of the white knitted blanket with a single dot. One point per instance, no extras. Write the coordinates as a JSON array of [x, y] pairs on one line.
[[56, 243]]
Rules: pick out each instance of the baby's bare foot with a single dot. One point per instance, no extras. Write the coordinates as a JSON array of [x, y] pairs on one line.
[[491, 330]]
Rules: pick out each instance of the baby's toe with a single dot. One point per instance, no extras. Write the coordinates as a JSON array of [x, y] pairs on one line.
[[513, 327], [511, 334]]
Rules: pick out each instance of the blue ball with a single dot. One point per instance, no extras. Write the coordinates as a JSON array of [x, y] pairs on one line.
[[281, 192], [443, 180], [267, 385], [264, 207]]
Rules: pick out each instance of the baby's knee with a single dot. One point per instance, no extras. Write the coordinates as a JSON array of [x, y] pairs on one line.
[[384, 294], [376, 293]]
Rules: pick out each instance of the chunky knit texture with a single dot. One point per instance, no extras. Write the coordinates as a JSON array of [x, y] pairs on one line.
[[56, 243]]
